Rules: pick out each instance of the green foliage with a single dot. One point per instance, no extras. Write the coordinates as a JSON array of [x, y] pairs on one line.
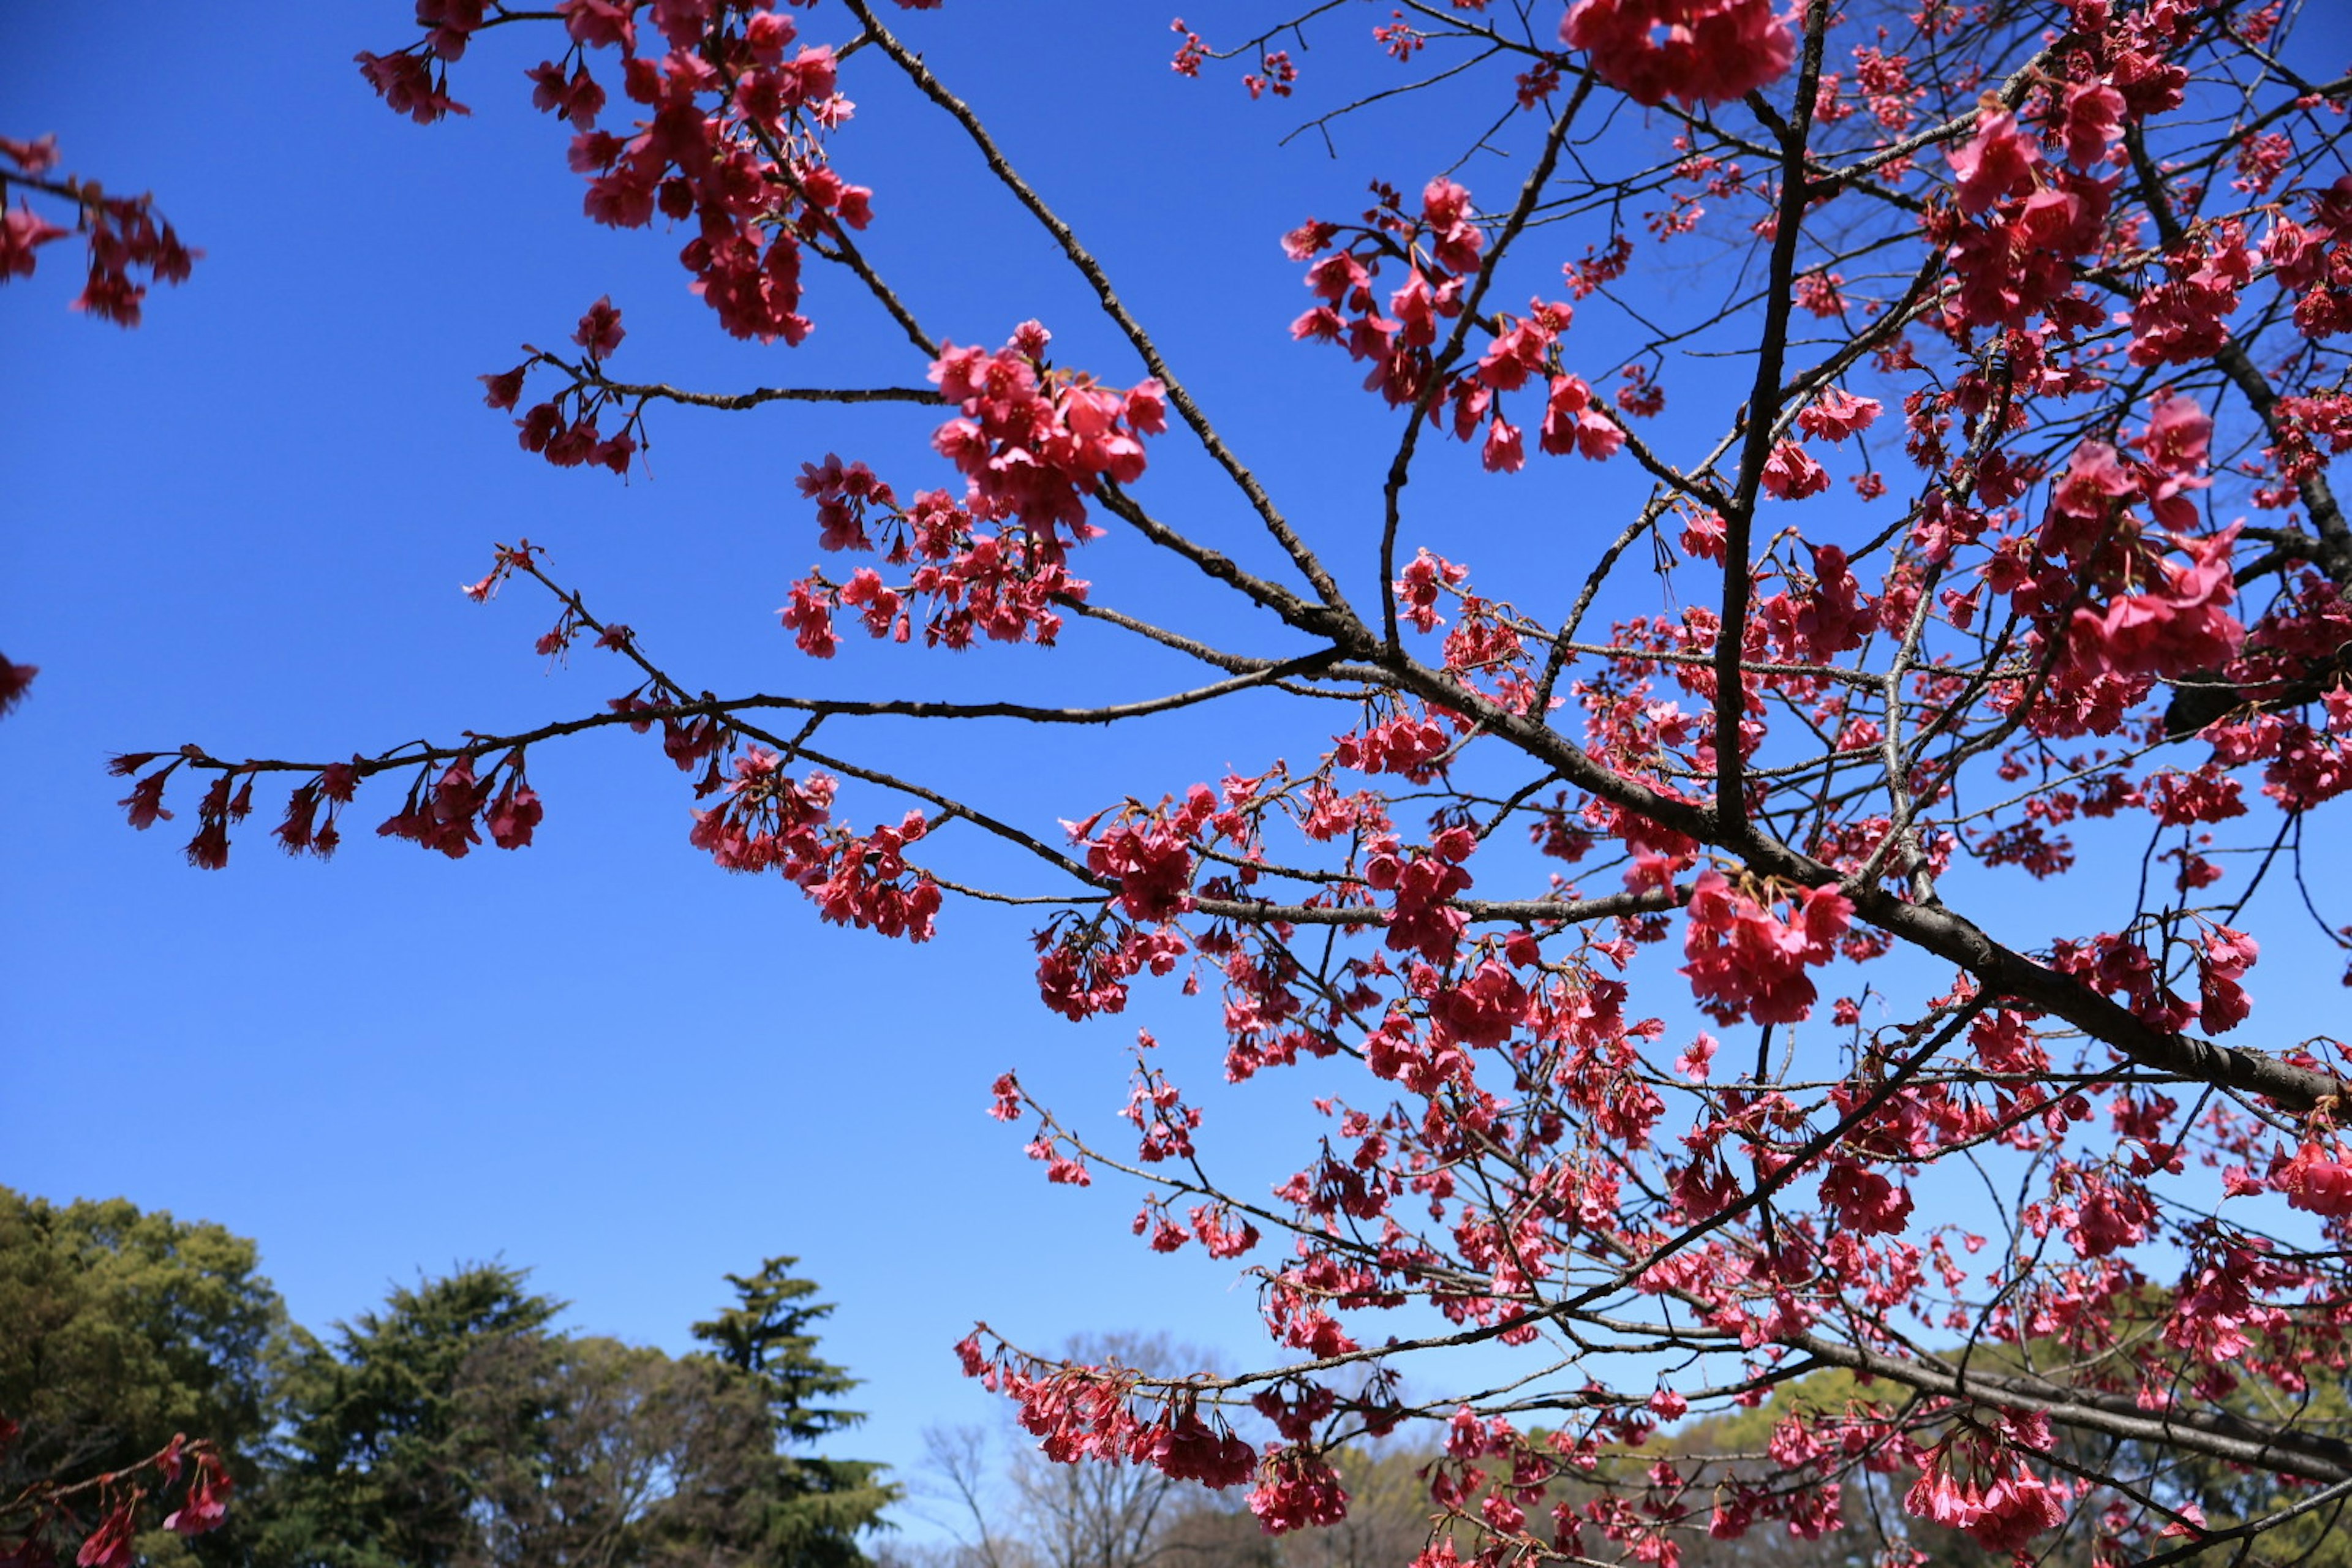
[[122, 1327], [766, 1336], [452, 1428], [417, 1414], [634, 1459], [811, 1508]]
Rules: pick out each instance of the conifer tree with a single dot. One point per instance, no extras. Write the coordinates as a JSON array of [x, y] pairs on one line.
[[395, 1448], [816, 1508]]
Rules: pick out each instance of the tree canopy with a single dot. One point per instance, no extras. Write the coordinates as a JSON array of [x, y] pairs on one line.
[[454, 1427], [125, 1334], [124, 1328]]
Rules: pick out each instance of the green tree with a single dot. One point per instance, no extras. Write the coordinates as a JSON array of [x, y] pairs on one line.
[[812, 1509], [454, 1429], [120, 1327], [619, 1457], [413, 1425]]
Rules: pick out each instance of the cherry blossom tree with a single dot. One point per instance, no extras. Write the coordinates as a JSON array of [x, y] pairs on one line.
[[1994, 511]]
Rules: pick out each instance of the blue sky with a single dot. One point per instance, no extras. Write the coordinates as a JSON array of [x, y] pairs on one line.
[[244, 524]]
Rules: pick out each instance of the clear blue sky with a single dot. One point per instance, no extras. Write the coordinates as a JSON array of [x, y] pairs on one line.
[[244, 524]]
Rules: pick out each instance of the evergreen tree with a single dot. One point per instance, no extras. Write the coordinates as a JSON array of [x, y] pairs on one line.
[[812, 1509], [411, 1430]]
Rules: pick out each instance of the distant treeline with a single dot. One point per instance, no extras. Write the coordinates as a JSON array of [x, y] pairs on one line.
[[453, 1428]]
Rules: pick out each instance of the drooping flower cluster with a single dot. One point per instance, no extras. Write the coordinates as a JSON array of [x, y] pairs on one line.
[[44, 1518], [123, 233], [2317, 1177], [1298, 1490], [767, 820], [730, 136], [1748, 962], [563, 428], [443, 814], [1089, 1413], [1977, 1485]]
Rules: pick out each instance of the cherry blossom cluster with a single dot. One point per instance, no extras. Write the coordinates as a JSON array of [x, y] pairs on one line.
[[1697, 51], [1277, 72], [1976, 1484], [1150, 853], [1034, 444], [734, 112], [563, 428], [1439, 248], [2016, 222], [766, 820], [1486, 648], [2098, 584], [2313, 259], [2220, 957], [2302, 427], [123, 233], [447, 806], [1084, 965], [1091, 1413], [447, 812], [1300, 1489]]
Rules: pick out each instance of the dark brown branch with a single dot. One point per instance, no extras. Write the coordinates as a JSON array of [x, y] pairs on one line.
[[666, 393], [2217, 1434], [1739, 517]]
